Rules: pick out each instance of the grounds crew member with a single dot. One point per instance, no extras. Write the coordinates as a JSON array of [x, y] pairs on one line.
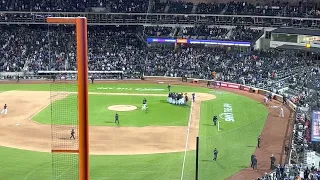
[[273, 160], [215, 119], [215, 154]]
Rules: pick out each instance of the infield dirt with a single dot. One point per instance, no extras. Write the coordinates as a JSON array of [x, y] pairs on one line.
[[104, 140]]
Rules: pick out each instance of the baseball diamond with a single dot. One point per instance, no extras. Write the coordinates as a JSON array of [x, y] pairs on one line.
[[148, 143], [160, 89]]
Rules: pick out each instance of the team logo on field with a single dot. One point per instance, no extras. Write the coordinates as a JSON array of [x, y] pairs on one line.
[[227, 114], [218, 92]]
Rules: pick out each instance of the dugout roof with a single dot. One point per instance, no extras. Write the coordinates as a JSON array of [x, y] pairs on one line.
[[300, 48], [296, 31]]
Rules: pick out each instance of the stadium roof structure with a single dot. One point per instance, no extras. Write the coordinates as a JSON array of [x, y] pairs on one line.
[[300, 48], [297, 31]]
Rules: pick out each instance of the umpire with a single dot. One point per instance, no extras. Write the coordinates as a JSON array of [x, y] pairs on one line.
[[259, 139]]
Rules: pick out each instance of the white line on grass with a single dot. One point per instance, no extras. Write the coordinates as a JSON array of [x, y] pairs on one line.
[[40, 167], [30, 118], [43, 166], [187, 142], [63, 173]]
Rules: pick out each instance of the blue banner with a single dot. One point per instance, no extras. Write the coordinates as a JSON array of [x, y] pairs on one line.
[[315, 135], [198, 41]]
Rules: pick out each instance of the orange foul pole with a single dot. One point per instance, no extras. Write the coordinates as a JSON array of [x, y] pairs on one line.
[[82, 59]]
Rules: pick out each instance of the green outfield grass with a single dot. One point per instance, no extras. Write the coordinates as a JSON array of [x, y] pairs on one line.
[[28, 165], [236, 141], [100, 115]]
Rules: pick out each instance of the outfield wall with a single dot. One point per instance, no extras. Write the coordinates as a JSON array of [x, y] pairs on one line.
[[223, 84]]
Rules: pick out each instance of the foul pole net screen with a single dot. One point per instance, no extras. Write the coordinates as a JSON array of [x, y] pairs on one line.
[[69, 110]]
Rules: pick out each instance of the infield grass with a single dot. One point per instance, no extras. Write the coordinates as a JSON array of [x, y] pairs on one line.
[[159, 113]]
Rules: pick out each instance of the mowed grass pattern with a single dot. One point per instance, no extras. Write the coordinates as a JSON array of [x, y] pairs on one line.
[[159, 113], [235, 141], [28, 165]]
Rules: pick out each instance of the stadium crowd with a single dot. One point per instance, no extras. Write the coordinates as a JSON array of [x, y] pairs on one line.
[[275, 8], [35, 48]]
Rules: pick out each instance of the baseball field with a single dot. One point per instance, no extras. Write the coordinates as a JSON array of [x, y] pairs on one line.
[[156, 144]]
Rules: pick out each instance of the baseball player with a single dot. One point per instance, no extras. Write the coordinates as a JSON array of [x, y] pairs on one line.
[[215, 119], [144, 104], [72, 134], [215, 154], [281, 113], [116, 119], [186, 99], [5, 110]]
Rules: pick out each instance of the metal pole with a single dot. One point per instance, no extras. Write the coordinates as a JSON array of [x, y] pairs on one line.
[[197, 157]]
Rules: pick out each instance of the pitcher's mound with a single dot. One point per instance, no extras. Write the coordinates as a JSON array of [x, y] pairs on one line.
[[122, 108]]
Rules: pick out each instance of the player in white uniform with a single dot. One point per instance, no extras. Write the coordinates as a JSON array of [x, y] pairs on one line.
[[281, 112], [5, 109]]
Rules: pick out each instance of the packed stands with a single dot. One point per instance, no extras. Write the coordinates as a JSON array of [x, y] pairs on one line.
[[275, 8]]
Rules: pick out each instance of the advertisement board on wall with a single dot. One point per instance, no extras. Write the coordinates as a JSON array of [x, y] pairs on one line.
[[196, 41], [315, 134]]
